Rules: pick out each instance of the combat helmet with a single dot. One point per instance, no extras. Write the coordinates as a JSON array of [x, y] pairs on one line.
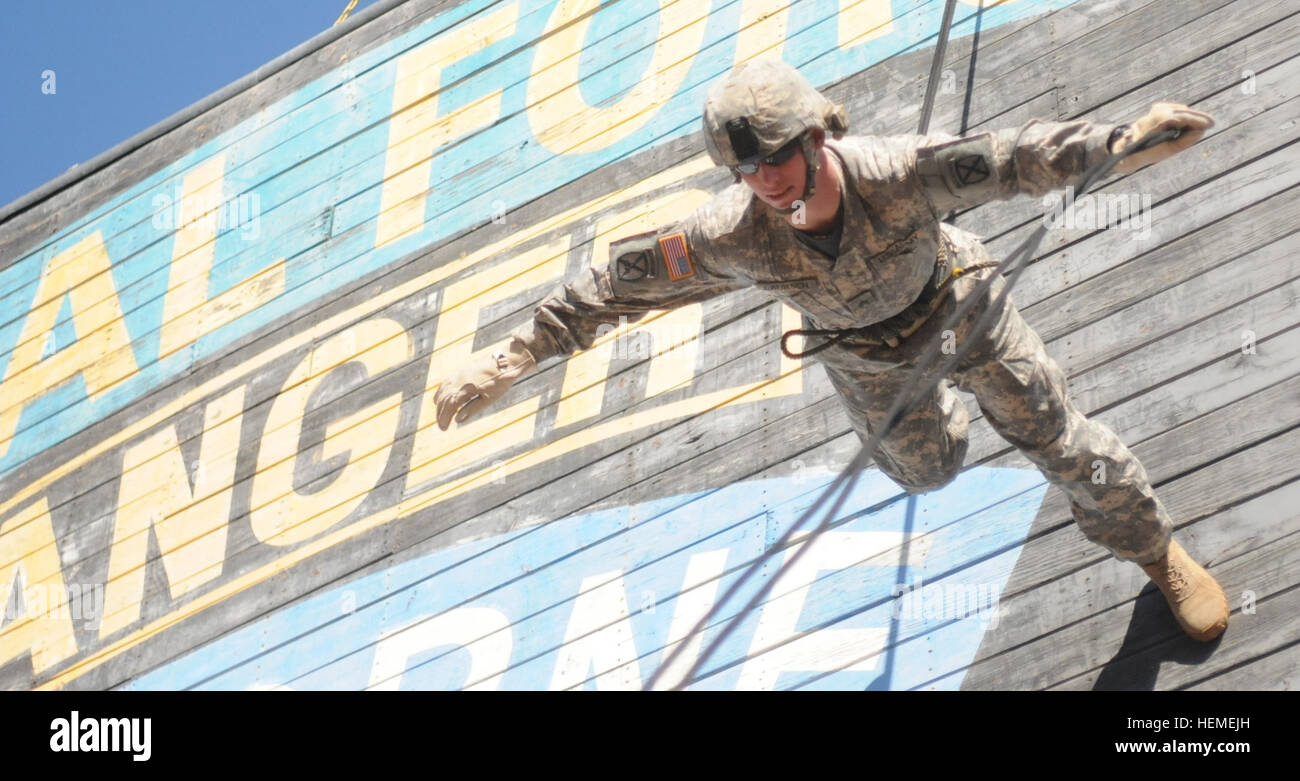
[[758, 108]]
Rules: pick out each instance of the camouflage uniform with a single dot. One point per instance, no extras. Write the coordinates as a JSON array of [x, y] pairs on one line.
[[896, 189]]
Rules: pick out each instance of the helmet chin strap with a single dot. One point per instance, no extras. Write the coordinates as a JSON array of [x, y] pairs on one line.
[[810, 177]]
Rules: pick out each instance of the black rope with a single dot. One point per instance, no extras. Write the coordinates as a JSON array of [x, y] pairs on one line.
[[916, 385], [940, 48]]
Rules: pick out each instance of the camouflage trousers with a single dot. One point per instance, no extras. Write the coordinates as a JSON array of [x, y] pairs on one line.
[[1022, 393]]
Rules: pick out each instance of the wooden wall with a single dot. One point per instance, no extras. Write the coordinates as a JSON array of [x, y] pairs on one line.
[[218, 467]]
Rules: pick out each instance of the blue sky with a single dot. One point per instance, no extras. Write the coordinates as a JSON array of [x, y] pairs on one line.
[[121, 66]]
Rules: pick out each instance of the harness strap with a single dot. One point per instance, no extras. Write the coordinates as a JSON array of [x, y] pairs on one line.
[[894, 330]]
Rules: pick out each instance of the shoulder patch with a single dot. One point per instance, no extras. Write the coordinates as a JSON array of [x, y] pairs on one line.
[[649, 260], [970, 169], [632, 259], [961, 167]]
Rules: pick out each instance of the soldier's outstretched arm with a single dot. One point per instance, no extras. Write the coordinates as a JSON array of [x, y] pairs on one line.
[[1036, 157], [661, 269]]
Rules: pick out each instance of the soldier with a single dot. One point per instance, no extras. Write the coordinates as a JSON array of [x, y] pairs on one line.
[[848, 231]]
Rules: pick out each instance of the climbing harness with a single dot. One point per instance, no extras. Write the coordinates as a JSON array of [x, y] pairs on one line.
[[892, 331]]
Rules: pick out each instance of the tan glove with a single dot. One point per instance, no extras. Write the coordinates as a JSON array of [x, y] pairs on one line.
[[1162, 116], [477, 386]]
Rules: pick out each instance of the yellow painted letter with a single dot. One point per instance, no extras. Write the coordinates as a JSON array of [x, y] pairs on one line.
[[189, 524], [561, 118], [102, 353], [435, 451], [416, 131], [27, 546], [282, 516], [862, 20], [762, 29], [187, 311]]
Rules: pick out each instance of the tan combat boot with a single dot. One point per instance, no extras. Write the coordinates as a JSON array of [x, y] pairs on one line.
[[1198, 602]]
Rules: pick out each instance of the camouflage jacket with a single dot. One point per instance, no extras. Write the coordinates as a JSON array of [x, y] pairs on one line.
[[897, 189]]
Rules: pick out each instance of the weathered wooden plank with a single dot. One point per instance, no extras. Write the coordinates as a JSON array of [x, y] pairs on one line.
[[1172, 661], [1006, 71], [1243, 187], [1075, 633], [1270, 267], [1182, 374], [1204, 202], [1277, 671], [1220, 245], [1053, 612], [1269, 56], [1121, 91], [1213, 42]]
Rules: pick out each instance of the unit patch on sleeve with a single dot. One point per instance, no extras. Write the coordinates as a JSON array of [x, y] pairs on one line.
[[647, 261], [963, 167], [633, 266], [971, 169]]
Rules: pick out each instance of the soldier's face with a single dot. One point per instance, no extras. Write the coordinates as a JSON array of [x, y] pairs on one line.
[[779, 185]]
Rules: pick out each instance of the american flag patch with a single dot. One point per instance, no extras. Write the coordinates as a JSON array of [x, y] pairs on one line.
[[679, 260]]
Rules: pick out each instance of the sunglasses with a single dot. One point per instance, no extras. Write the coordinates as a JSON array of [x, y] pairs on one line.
[[779, 157]]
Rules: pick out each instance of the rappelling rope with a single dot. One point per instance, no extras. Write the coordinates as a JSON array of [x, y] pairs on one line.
[[351, 4], [936, 63]]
